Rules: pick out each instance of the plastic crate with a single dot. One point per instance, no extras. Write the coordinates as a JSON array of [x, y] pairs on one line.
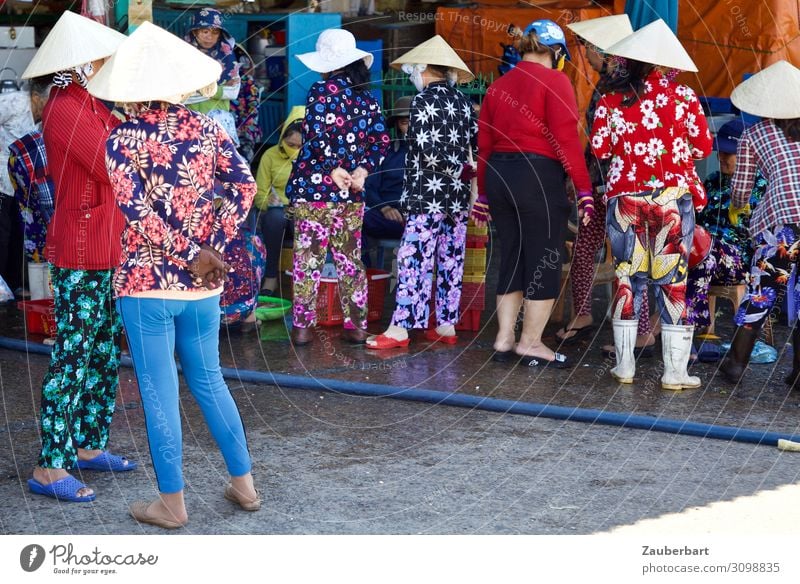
[[477, 241], [474, 278], [40, 316], [473, 297], [329, 305], [470, 321], [474, 230], [475, 261]]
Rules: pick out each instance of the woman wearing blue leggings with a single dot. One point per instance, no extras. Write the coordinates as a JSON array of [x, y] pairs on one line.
[[183, 190]]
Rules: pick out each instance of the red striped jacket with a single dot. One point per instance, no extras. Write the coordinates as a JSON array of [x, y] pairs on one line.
[[86, 228]]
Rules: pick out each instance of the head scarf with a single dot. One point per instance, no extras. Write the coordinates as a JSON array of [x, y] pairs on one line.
[[63, 78], [223, 51]]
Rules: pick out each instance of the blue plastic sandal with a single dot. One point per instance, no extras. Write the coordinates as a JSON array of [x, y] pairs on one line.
[[65, 489], [105, 461]]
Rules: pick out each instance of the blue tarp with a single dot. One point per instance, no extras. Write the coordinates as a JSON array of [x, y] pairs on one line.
[[642, 12]]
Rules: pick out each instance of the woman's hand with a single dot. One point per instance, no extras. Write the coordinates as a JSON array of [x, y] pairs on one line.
[[585, 206], [209, 268], [358, 176], [480, 214], [342, 178], [392, 214]]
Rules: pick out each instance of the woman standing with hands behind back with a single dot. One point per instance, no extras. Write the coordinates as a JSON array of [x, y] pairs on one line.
[[344, 139]]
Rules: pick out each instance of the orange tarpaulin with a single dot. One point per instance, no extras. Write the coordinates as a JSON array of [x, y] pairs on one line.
[[728, 38]]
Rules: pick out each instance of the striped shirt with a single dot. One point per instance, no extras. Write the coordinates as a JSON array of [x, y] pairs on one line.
[[764, 148]]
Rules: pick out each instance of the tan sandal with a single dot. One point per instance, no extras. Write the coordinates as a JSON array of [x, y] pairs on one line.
[[139, 510], [254, 505]]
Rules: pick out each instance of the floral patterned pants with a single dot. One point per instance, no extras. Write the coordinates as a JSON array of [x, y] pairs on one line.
[[426, 236], [590, 238], [775, 255], [80, 387], [722, 267], [651, 234], [317, 227]]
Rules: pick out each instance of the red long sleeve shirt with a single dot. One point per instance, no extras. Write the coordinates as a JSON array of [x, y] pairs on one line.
[[86, 228], [532, 109]]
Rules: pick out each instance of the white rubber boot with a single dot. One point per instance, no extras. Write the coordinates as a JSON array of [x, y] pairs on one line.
[[624, 343], [676, 342]]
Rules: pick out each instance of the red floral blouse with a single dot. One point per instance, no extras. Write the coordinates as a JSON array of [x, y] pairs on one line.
[[653, 143], [166, 167]]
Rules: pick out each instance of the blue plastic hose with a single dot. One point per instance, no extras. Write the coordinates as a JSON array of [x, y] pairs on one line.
[[624, 420]]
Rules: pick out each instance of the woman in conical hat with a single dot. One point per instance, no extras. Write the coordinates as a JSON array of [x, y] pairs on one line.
[[652, 129], [436, 195], [771, 147], [83, 248], [184, 191]]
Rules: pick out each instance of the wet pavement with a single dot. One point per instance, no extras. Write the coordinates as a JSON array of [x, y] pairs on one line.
[[331, 463]]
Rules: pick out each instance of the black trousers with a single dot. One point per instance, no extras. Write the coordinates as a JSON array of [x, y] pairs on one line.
[[529, 206], [11, 245]]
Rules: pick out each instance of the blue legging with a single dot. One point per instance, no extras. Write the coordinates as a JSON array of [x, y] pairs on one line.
[[155, 329]]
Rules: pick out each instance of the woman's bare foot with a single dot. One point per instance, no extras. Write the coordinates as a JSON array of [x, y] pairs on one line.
[[46, 476], [242, 491], [169, 515], [531, 349], [397, 333], [571, 329], [504, 343]]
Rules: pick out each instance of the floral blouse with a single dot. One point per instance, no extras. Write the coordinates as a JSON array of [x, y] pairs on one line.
[[442, 128], [653, 143], [342, 128], [166, 167]]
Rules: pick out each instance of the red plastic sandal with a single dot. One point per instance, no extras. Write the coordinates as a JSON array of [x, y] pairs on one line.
[[381, 342], [435, 337]]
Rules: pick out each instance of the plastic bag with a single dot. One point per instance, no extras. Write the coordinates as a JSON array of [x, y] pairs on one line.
[[762, 353], [6, 295]]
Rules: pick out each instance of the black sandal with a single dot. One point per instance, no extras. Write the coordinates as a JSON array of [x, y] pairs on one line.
[[560, 362], [579, 332]]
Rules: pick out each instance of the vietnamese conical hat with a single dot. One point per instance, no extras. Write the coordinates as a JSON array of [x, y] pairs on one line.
[[73, 41], [154, 65], [774, 92], [604, 31], [436, 51], [655, 44]]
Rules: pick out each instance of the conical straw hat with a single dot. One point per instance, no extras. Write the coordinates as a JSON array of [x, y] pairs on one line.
[[436, 51], [604, 31], [73, 41], [774, 92], [656, 44], [154, 65]]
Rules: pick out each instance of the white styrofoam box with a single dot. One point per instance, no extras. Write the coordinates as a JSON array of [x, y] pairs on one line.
[[17, 37]]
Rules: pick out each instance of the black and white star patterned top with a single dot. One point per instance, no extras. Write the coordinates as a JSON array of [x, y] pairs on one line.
[[442, 127]]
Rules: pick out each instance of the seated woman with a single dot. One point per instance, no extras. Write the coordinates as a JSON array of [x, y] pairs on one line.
[[273, 173], [383, 219], [728, 261]]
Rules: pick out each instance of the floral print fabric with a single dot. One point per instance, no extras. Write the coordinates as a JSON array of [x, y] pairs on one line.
[[724, 266], [223, 51], [651, 235], [774, 258], [246, 254], [442, 128], [653, 143], [166, 166], [318, 226], [342, 128], [80, 386], [427, 236]]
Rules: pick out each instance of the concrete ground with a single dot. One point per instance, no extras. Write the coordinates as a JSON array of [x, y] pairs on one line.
[[329, 463]]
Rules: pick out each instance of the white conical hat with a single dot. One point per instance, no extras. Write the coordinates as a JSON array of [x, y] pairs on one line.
[[774, 92], [436, 51], [154, 65], [604, 31], [656, 44], [73, 41]]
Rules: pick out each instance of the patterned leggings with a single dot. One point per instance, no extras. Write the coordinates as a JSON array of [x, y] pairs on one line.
[[722, 267], [317, 227], [651, 234], [426, 235], [80, 387], [776, 254]]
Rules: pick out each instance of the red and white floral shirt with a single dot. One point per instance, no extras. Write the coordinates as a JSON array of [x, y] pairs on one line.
[[166, 168], [653, 143]]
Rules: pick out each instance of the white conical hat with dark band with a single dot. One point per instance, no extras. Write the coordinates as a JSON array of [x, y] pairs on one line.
[[73, 41], [435, 51]]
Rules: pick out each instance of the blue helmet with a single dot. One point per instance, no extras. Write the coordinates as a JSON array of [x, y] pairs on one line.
[[549, 33]]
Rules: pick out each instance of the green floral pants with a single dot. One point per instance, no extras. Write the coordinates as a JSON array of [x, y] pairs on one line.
[[80, 387]]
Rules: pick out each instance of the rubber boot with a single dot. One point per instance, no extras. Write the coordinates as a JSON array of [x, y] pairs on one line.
[[676, 344], [793, 377], [624, 343], [735, 363]]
